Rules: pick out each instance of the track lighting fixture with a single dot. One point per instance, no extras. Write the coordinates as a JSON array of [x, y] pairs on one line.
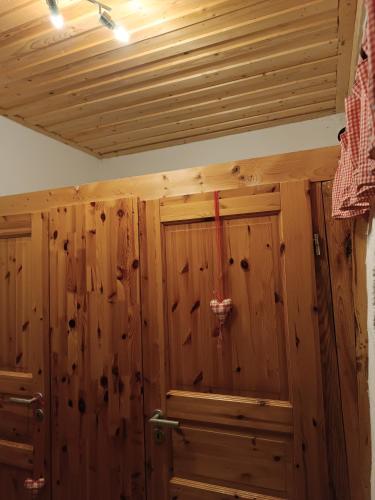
[[119, 31], [104, 18], [56, 18]]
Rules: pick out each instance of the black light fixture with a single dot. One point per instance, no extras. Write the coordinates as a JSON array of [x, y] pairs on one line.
[[119, 31], [104, 18], [56, 18]]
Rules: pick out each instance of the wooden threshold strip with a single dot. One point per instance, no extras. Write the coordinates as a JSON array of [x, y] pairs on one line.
[[265, 414], [260, 203], [186, 489], [18, 455], [16, 383]]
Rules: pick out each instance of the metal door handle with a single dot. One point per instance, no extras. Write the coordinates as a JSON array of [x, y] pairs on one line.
[[158, 420], [38, 398]]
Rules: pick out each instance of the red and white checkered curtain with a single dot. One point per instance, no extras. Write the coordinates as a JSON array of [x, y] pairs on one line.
[[354, 185]]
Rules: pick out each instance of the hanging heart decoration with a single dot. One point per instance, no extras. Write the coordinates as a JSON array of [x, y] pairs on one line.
[[35, 486], [221, 309], [220, 306]]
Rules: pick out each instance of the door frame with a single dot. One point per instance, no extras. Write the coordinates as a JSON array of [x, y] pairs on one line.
[[293, 199], [35, 225]]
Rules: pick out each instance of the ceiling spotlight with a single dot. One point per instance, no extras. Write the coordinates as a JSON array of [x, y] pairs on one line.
[[56, 18], [119, 31]]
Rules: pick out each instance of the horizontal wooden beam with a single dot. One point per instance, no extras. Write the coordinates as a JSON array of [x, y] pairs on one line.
[[16, 383], [266, 415], [259, 203], [16, 454], [314, 165], [185, 489]]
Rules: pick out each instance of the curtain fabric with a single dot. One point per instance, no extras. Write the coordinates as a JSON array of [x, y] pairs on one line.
[[354, 183]]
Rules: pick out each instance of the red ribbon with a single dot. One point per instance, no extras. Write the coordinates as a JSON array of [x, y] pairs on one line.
[[219, 248]]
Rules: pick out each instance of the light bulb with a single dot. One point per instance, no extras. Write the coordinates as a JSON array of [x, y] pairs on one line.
[[57, 20], [121, 34]]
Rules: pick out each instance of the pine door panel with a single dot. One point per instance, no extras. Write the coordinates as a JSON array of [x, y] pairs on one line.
[[251, 408], [24, 354], [98, 446]]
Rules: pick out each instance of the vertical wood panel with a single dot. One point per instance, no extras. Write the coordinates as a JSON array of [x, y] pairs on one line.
[[154, 362], [40, 345], [351, 335], [360, 305], [336, 444], [303, 342], [98, 445]]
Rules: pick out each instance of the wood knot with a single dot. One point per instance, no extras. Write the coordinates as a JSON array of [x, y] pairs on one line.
[[245, 264]]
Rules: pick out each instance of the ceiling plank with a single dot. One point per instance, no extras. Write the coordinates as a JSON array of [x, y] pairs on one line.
[[193, 70], [242, 115], [346, 24], [215, 30], [149, 99], [248, 47], [312, 86], [204, 135]]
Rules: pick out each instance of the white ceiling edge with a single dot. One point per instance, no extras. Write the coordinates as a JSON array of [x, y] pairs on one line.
[[30, 161]]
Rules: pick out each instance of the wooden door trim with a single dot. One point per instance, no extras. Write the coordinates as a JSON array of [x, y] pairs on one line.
[[18, 455], [211, 492], [303, 342], [153, 351], [314, 165], [311, 475], [41, 342], [16, 383], [217, 409], [242, 202]]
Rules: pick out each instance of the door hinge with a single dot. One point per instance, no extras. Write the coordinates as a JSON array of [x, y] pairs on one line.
[[317, 245]]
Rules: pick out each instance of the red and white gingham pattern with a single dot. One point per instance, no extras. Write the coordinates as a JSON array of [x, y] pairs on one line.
[[343, 183], [221, 309], [36, 485], [364, 171], [354, 185]]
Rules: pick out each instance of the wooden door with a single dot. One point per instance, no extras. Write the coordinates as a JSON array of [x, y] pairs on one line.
[[97, 434], [251, 412], [24, 355]]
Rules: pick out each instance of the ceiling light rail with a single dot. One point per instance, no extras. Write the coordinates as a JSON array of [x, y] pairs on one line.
[[105, 19]]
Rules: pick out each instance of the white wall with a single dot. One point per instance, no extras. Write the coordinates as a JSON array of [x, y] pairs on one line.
[[30, 161], [310, 134]]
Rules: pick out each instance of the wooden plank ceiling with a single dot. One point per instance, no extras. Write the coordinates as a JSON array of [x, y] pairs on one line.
[[193, 69]]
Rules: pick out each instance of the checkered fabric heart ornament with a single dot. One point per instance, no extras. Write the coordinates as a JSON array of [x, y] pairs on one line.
[[35, 486], [221, 309]]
